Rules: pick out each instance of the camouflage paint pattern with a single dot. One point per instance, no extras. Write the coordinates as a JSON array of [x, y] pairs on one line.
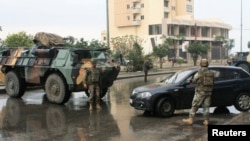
[[35, 65]]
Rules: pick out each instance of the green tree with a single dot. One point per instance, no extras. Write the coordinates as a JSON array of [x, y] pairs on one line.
[[20, 39], [197, 49], [122, 45], [96, 44], [70, 41], [136, 56], [173, 43], [161, 51]]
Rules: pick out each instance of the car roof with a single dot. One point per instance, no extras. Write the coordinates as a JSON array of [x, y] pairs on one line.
[[225, 67], [195, 68]]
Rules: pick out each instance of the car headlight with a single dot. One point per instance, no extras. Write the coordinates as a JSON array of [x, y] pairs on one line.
[[134, 92], [144, 95]]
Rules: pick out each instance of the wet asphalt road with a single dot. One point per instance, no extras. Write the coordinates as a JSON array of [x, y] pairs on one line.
[[32, 118]]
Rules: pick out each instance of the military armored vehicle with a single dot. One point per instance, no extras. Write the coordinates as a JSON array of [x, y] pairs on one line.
[[241, 59], [59, 70]]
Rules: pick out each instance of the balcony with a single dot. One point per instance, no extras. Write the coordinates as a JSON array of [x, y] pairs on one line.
[[136, 10], [166, 9], [136, 1], [136, 22]]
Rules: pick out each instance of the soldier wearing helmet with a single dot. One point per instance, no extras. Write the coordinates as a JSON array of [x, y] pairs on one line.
[[92, 81], [204, 80]]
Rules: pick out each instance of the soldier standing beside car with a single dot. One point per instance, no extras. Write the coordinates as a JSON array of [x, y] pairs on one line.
[[146, 67], [204, 79], [92, 81]]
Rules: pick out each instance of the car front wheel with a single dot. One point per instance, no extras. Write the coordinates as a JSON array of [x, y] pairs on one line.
[[165, 107], [242, 102]]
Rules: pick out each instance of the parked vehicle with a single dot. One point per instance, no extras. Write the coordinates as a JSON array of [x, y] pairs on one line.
[[241, 59], [176, 92], [59, 70]]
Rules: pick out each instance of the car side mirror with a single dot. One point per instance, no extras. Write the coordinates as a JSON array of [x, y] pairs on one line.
[[188, 82]]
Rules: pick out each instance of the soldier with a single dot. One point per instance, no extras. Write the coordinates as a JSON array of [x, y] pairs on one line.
[[204, 79], [146, 68], [92, 81]]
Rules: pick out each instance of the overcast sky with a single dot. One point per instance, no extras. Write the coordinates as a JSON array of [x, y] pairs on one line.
[[87, 18]]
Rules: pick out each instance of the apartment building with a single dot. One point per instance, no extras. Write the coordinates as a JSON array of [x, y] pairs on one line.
[[150, 19]]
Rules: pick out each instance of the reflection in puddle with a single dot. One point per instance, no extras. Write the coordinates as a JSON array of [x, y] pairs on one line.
[[22, 121]]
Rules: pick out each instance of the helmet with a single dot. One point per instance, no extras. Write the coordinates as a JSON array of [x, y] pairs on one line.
[[204, 62], [93, 61]]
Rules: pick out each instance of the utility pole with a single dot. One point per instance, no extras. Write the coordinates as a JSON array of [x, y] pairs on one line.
[[107, 14], [241, 27]]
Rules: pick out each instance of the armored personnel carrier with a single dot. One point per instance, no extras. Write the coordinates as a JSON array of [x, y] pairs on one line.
[[59, 70], [241, 59]]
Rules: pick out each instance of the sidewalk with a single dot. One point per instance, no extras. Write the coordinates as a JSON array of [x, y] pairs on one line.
[[166, 68]]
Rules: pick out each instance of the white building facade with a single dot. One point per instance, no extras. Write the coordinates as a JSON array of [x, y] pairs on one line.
[[151, 19]]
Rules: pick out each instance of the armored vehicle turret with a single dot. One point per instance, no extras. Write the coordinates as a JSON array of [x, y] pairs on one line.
[[58, 70]]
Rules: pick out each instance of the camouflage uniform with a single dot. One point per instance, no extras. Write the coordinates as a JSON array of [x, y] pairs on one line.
[[93, 87], [202, 94], [146, 68]]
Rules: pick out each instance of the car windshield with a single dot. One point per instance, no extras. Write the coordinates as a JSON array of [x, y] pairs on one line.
[[178, 76]]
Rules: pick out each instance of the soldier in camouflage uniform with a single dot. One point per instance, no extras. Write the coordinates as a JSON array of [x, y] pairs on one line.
[[92, 81], [203, 92]]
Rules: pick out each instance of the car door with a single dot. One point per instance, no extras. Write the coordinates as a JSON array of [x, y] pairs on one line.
[[224, 87], [186, 93]]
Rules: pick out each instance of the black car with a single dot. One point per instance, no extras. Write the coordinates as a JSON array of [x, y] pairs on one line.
[[232, 87]]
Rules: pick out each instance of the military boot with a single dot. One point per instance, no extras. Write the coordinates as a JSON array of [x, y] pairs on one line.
[[206, 122], [188, 121]]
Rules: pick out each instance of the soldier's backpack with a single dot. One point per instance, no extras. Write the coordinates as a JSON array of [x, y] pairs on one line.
[[95, 75], [208, 78]]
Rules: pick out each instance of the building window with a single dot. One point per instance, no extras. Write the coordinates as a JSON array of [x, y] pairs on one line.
[[182, 30], [189, 8], [193, 31], [128, 6], [173, 8], [155, 29], [128, 18], [104, 38], [165, 3], [165, 15], [171, 30], [204, 31], [142, 17], [142, 5]]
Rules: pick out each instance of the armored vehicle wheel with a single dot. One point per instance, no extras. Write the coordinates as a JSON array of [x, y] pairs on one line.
[[14, 85], [56, 89]]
